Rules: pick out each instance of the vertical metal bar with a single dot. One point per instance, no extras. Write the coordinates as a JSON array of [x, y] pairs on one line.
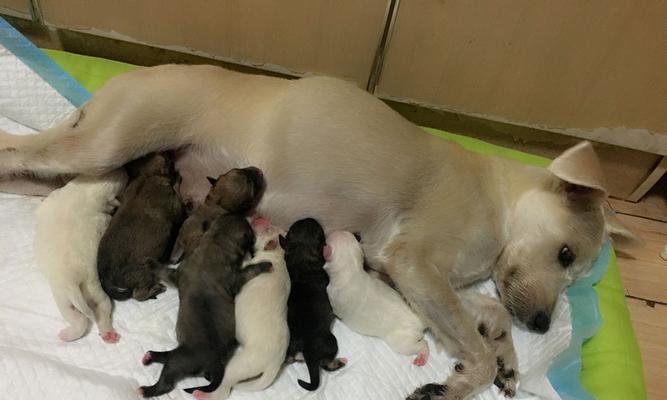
[[378, 60], [36, 12]]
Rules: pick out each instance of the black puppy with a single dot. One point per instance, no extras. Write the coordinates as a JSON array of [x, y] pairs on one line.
[[208, 280], [309, 313], [142, 230]]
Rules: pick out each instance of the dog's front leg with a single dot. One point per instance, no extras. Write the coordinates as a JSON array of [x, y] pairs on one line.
[[494, 323], [429, 292]]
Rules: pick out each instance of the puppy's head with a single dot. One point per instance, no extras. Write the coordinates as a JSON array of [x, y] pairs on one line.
[[161, 164], [192, 230], [556, 230], [345, 252], [238, 190], [234, 232], [266, 235], [305, 239]]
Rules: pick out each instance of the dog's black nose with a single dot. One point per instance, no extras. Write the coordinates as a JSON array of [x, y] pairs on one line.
[[541, 322]]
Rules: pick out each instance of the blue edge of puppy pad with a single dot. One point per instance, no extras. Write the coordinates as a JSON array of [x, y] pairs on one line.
[[586, 319]]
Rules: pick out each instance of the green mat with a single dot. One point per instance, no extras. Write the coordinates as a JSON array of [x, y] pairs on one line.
[[611, 364]]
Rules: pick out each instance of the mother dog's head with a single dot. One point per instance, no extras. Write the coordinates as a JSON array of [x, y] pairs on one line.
[[557, 229]]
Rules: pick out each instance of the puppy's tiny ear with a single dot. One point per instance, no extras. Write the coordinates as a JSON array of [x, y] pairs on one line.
[[212, 180], [271, 245], [283, 242], [327, 251]]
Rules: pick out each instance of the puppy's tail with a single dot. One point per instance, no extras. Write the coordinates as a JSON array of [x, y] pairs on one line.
[[261, 381], [215, 373], [75, 296], [314, 371]]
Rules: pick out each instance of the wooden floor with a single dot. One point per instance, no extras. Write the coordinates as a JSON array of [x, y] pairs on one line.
[[644, 276]]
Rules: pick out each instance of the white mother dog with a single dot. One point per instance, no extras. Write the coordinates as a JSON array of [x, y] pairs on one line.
[[433, 216]]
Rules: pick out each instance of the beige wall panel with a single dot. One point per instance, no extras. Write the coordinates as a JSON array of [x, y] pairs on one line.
[[593, 69], [16, 8], [298, 37]]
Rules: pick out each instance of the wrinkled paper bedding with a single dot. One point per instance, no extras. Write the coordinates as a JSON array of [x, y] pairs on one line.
[[35, 364]]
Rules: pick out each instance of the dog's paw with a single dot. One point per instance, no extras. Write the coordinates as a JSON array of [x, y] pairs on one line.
[[147, 359], [110, 337], [431, 391], [335, 364], [140, 391], [200, 395], [506, 378], [419, 361], [422, 356]]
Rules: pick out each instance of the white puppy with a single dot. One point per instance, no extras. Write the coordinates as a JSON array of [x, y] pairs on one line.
[[70, 224], [261, 319], [366, 304]]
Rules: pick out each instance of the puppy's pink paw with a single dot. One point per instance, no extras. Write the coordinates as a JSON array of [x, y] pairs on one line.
[[327, 252], [140, 392], [420, 361], [110, 337], [199, 395], [147, 358], [343, 360]]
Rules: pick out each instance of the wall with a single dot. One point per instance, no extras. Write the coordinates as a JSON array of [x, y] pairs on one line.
[[593, 69], [332, 37], [16, 8]]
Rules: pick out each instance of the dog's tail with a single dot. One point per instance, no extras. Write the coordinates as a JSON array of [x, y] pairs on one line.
[[261, 381], [214, 374], [75, 296], [314, 371]]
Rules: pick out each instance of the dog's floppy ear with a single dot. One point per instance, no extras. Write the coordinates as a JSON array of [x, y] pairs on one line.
[[283, 242], [579, 170], [622, 237]]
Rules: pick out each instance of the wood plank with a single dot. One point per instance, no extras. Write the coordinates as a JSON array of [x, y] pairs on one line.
[[650, 325], [643, 272], [650, 181]]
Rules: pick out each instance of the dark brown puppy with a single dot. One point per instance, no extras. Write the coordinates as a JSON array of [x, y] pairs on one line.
[[208, 280], [238, 191], [142, 230]]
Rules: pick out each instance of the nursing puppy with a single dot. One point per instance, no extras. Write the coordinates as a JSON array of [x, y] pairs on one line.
[[237, 191], [141, 231], [261, 319], [309, 313], [435, 217], [208, 280], [70, 224], [366, 304]]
